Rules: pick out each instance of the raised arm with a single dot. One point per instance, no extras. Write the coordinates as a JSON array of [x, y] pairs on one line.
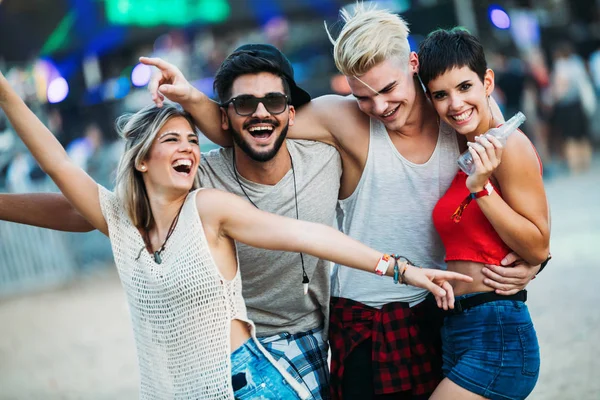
[[314, 121], [45, 210], [242, 222], [169, 82], [76, 184]]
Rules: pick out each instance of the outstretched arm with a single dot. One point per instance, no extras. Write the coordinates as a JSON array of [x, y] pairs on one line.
[[45, 210], [75, 183], [169, 82], [243, 222]]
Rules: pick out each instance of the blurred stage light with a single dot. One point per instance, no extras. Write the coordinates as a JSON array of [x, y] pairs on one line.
[[140, 76], [160, 12], [499, 17], [58, 90]]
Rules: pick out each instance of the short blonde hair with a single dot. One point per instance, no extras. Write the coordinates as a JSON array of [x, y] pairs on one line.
[[369, 37], [139, 131]]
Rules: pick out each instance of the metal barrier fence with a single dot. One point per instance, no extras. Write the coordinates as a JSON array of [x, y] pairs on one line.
[[33, 258]]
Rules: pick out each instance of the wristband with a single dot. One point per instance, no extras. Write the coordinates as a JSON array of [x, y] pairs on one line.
[[382, 265], [487, 190]]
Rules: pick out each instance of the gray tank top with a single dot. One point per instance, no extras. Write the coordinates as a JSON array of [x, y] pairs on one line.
[[390, 211]]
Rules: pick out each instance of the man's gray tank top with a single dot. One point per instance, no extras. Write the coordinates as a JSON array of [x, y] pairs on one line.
[[272, 280], [390, 211]]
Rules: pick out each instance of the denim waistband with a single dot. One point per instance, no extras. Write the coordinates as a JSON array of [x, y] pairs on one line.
[[466, 296], [245, 353]]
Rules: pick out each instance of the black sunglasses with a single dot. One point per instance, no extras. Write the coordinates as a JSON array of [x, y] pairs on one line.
[[245, 105]]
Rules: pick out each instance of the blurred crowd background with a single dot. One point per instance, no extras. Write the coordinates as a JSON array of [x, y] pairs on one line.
[[75, 62]]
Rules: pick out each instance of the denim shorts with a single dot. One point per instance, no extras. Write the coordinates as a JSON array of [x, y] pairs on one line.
[[254, 377], [492, 349]]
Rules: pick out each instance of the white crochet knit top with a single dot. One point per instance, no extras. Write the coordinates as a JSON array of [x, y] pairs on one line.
[[181, 309]]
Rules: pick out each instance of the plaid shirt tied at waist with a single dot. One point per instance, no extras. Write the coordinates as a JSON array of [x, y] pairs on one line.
[[406, 344]]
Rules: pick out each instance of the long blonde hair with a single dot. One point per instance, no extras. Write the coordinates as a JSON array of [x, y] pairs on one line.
[[369, 37], [139, 130]]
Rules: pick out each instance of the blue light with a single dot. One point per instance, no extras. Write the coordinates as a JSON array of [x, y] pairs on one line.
[[499, 17]]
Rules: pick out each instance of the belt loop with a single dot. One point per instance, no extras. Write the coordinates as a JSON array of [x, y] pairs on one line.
[[458, 307]]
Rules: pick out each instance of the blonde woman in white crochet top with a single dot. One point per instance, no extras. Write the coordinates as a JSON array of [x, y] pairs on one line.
[[174, 248]]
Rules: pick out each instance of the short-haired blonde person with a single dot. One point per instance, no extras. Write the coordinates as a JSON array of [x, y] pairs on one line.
[[398, 160], [174, 248]]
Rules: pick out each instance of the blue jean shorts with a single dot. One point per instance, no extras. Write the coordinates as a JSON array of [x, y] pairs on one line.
[[492, 349], [254, 377]]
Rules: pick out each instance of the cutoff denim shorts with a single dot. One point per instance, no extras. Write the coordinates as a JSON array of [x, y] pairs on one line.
[[254, 377], [492, 349]]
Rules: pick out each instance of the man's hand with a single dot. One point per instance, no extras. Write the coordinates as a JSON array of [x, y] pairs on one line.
[[169, 82], [512, 276]]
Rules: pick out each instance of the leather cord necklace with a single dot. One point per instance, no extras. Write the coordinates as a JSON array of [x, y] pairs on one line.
[[148, 243], [305, 280]]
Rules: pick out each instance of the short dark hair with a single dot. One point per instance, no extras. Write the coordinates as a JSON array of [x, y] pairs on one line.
[[242, 63], [443, 50]]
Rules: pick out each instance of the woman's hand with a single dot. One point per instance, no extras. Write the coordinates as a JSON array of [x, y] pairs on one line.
[[169, 82], [487, 153], [437, 282]]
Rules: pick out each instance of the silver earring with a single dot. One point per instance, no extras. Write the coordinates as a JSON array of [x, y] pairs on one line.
[[143, 167]]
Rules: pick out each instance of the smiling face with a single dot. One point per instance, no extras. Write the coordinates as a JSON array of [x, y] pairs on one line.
[[260, 134], [387, 91], [461, 99], [173, 160]]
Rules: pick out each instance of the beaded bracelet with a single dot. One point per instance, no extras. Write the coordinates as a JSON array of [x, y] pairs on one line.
[[399, 276]]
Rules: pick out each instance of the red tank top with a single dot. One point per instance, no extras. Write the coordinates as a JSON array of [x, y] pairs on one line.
[[473, 238]]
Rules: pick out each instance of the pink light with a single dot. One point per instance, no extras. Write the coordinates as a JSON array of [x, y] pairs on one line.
[[58, 90], [499, 18], [140, 76]]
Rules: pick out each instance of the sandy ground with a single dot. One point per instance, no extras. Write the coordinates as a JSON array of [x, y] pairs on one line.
[[75, 342]]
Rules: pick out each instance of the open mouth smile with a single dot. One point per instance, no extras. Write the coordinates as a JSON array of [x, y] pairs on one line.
[[261, 131], [390, 113], [182, 166], [462, 117]]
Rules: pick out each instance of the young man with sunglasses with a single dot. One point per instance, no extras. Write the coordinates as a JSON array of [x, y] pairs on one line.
[[286, 294]]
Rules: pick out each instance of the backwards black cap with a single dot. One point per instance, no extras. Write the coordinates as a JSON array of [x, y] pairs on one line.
[[271, 53]]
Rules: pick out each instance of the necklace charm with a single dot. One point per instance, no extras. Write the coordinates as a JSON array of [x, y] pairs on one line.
[[157, 258]]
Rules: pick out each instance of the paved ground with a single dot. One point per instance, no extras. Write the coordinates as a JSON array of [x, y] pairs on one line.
[[76, 342]]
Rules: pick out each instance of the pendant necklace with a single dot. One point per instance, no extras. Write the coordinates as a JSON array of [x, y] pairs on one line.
[[305, 280], [148, 244]]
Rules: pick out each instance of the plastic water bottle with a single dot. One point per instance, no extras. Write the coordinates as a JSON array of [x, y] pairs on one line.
[[465, 161]]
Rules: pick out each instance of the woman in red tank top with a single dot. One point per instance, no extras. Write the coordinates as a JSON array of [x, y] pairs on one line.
[[490, 347]]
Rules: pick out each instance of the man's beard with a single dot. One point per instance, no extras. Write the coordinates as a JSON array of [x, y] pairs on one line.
[[253, 154]]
